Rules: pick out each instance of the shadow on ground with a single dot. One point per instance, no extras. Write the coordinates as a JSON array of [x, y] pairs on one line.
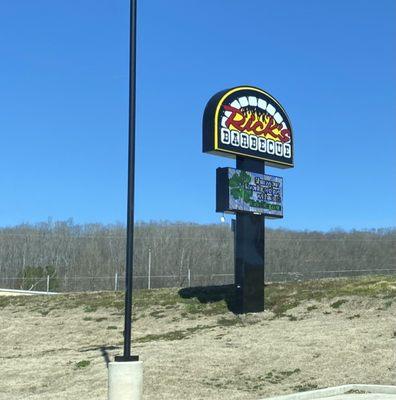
[[212, 294], [104, 350]]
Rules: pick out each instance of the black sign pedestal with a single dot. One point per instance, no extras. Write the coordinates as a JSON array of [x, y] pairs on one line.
[[249, 252]]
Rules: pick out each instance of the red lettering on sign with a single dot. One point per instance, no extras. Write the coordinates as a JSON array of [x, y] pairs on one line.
[[258, 124]]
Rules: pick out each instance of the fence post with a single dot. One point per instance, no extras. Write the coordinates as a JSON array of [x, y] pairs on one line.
[[149, 270], [189, 277], [48, 283], [116, 281]]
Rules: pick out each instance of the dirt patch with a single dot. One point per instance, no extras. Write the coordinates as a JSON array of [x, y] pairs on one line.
[[58, 347]]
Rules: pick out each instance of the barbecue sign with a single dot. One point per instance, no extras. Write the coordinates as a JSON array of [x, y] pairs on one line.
[[246, 121], [248, 124], [249, 192]]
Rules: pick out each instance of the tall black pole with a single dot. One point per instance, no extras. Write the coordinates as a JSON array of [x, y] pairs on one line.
[[131, 188]]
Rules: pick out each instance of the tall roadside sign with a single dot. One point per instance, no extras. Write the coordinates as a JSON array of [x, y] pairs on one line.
[[248, 124]]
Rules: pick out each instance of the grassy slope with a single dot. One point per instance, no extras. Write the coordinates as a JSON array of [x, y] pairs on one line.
[[170, 319], [212, 301]]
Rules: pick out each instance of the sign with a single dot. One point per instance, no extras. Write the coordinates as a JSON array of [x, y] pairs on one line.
[[246, 121], [243, 191]]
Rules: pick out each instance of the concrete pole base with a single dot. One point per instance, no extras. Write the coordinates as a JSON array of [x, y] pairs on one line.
[[125, 380]]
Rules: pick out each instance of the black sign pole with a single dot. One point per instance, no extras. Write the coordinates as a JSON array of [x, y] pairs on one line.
[[131, 189], [249, 251]]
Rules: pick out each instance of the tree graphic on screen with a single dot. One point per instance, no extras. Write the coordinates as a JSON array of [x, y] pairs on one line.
[[239, 187]]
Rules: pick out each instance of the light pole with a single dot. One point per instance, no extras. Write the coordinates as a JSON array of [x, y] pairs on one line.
[[126, 373], [131, 189]]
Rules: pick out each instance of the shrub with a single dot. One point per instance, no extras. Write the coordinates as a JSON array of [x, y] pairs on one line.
[[35, 278]]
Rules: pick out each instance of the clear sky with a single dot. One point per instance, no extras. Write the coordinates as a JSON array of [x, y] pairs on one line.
[[64, 106]]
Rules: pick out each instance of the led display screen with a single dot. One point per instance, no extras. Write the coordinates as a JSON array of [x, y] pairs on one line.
[[243, 191]]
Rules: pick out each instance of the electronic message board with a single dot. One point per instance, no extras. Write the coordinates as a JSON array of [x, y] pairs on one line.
[[243, 191], [246, 121]]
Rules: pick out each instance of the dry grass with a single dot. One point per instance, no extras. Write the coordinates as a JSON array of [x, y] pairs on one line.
[[315, 334]]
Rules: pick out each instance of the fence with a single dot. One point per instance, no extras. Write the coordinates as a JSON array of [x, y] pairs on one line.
[[117, 282], [113, 282]]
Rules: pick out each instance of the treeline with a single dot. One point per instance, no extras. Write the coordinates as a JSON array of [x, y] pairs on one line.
[[92, 256]]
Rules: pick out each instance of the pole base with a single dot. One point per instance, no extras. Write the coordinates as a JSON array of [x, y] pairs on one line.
[[126, 358], [125, 380]]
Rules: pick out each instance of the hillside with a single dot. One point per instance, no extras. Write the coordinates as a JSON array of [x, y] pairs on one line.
[[314, 334]]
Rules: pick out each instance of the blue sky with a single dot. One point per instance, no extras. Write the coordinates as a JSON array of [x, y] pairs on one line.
[[64, 106]]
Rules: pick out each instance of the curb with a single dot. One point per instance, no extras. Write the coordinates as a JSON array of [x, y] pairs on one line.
[[336, 390], [28, 292]]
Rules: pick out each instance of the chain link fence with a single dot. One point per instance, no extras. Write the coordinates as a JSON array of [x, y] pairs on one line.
[[117, 281]]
